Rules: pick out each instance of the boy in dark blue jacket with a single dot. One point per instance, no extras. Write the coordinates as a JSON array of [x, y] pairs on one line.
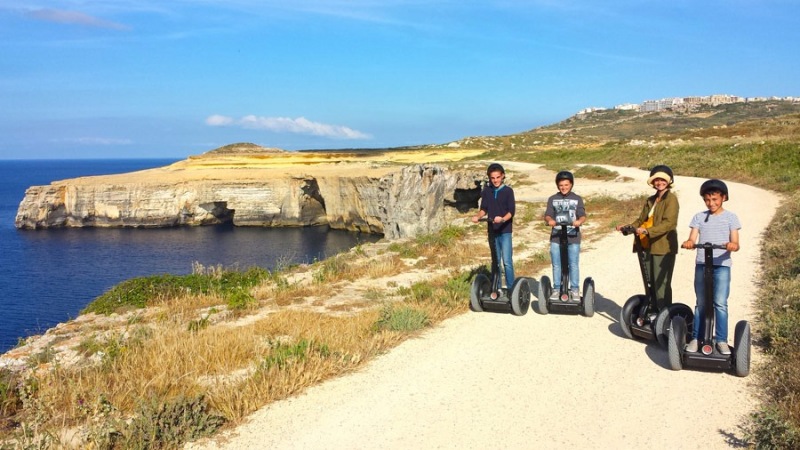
[[497, 202]]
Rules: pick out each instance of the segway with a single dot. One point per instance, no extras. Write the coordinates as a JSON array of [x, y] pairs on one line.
[[639, 318], [567, 302], [482, 288], [708, 357]]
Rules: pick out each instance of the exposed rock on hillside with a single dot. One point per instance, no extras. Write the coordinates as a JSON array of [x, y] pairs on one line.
[[262, 190]]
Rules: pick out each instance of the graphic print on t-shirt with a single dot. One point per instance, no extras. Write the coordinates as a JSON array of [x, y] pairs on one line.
[[565, 213]]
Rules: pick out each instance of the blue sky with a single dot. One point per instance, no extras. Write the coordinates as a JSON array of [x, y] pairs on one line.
[[153, 79]]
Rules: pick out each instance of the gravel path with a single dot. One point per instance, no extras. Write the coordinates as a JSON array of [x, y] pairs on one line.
[[485, 380]]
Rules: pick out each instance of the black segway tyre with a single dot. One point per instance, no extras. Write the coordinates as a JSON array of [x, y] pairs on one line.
[[520, 296], [588, 297], [676, 342], [545, 288], [629, 310], [664, 319], [741, 349], [481, 287]]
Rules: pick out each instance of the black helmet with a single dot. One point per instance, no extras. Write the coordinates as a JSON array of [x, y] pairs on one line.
[[663, 172], [494, 167], [714, 185], [565, 175]]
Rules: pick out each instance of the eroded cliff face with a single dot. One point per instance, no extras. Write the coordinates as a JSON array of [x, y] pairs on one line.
[[404, 202]]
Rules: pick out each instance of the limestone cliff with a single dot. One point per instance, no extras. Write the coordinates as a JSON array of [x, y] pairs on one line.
[[396, 201]]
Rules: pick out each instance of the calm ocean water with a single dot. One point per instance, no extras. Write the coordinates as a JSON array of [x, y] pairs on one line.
[[48, 276]]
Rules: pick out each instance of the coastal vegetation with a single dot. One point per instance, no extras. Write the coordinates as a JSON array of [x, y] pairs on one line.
[[196, 352]]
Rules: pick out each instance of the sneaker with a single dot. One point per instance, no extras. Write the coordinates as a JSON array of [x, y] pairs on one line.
[[691, 347], [723, 348], [555, 295], [574, 294]]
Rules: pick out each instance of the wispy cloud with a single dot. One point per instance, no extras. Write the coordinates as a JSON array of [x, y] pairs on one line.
[[94, 141], [300, 125], [74, 18]]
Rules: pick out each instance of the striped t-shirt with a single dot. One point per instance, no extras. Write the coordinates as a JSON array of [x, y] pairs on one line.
[[715, 228]]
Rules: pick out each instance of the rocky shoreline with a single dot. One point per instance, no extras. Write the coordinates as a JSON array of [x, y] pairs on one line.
[[382, 193]]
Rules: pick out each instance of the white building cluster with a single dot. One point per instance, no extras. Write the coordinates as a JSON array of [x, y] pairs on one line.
[[687, 103]]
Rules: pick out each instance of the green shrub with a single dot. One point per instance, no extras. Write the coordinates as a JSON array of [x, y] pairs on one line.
[[169, 425], [402, 318], [282, 354], [456, 289], [239, 299], [10, 401], [443, 238], [595, 173], [421, 291], [143, 291], [770, 430], [405, 249]]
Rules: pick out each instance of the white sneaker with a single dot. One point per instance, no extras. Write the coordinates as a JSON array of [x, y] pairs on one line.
[[723, 348], [555, 295], [691, 347]]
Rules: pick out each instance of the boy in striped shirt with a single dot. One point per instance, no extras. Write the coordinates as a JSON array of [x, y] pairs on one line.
[[717, 226]]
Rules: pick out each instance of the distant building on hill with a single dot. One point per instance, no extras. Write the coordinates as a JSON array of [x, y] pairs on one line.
[[687, 104]]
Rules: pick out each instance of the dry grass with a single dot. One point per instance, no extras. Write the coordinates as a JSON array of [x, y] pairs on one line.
[[177, 350]]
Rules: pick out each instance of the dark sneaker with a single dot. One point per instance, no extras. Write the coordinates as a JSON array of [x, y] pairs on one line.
[[723, 348], [691, 347]]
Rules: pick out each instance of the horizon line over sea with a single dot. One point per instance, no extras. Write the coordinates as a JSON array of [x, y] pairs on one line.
[[49, 276]]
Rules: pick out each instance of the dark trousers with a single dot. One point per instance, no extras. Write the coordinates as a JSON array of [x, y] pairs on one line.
[[660, 268]]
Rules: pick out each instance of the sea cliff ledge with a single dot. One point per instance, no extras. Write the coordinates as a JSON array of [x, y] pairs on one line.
[[395, 193]]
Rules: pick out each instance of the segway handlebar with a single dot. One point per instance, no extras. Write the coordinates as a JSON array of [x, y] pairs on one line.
[[710, 245], [628, 229]]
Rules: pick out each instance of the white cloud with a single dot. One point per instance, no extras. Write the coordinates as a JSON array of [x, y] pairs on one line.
[[300, 125], [74, 18], [94, 141]]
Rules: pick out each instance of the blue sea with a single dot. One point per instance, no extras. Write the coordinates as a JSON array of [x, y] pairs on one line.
[[48, 276]]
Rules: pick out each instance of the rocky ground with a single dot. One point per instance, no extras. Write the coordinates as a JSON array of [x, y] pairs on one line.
[[485, 380]]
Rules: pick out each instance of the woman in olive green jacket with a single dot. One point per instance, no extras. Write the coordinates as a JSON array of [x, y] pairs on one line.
[[657, 228]]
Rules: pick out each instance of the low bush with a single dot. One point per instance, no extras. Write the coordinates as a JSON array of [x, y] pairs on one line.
[[144, 291], [402, 318], [159, 424], [595, 173]]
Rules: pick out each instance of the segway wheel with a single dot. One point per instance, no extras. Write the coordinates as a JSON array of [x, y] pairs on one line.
[[480, 289], [545, 288], [664, 320], [520, 296], [629, 309], [588, 297], [741, 349], [676, 342]]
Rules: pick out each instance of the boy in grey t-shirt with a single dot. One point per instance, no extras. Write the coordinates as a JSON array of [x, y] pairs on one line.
[[717, 226]]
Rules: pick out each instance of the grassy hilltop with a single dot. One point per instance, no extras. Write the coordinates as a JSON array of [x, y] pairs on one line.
[[183, 355]]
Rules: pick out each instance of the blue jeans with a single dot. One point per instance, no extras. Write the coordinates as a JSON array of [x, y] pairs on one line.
[[502, 244], [573, 258], [722, 288]]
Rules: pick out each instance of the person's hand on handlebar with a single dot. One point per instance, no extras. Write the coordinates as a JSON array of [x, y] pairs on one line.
[[688, 244]]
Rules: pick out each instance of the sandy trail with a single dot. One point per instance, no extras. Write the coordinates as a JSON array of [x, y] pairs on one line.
[[484, 380]]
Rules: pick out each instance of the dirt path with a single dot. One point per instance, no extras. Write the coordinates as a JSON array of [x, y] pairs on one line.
[[485, 380]]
